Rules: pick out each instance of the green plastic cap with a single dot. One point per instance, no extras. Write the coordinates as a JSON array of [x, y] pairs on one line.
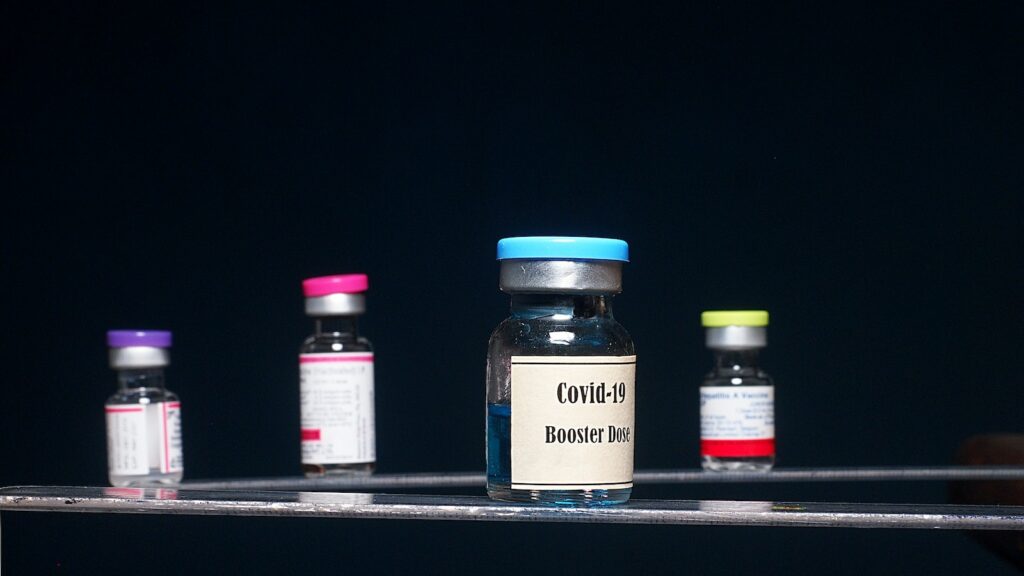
[[722, 318]]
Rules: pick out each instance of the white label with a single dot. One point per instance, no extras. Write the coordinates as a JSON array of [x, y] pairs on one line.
[[127, 445], [572, 422], [737, 412], [336, 397], [144, 437]]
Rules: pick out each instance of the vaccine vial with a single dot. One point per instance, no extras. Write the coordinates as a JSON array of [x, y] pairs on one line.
[[336, 380], [560, 376], [737, 398], [143, 417]]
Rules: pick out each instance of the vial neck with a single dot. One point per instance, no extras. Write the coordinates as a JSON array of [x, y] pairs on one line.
[[140, 378], [336, 326], [561, 306], [736, 360]]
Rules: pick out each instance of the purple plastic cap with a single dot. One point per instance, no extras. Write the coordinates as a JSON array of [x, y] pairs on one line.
[[151, 338]]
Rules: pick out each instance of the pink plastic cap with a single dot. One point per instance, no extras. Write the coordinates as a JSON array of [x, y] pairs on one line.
[[338, 284]]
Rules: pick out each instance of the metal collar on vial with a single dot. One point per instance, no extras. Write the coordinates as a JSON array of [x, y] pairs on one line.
[[561, 276]]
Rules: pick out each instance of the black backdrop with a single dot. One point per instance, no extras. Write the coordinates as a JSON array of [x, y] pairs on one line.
[[855, 169]]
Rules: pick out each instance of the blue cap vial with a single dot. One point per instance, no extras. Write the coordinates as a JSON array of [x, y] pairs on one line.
[[561, 265], [562, 248]]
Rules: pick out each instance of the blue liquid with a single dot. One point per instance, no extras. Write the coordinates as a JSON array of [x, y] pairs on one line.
[[499, 470], [499, 449]]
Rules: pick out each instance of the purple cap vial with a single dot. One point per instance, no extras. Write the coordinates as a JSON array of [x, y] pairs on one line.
[[126, 338], [139, 348]]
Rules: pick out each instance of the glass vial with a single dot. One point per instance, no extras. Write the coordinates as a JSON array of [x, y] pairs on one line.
[[737, 399], [336, 380], [560, 376], [143, 417]]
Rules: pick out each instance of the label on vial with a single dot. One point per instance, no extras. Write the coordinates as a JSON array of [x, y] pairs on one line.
[[144, 437], [336, 398], [171, 459], [572, 422], [737, 421], [127, 442]]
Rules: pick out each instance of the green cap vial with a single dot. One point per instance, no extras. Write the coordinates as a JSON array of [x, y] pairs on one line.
[[735, 329]]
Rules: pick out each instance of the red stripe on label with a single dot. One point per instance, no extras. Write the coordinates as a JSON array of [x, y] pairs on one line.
[[115, 410], [314, 359], [310, 434], [733, 448], [174, 404]]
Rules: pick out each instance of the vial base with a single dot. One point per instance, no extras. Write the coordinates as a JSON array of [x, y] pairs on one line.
[[357, 469], [123, 481], [502, 491], [741, 464]]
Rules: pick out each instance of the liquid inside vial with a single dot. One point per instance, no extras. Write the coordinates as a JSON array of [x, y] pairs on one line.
[[352, 404], [737, 402], [547, 326], [144, 438]]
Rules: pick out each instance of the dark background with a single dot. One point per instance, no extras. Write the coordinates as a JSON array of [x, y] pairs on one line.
[[855, 169]]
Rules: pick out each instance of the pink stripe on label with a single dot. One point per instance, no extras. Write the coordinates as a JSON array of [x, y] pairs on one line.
[[312, 358], [174, 404], [115, 410]]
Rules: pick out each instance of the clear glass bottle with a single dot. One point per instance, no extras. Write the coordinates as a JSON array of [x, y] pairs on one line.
[[560, 376], [336, 384], [143, 417], [737, 398]]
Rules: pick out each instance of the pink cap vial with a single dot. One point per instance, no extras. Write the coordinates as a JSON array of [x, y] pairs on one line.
[[337, 284], [337, 295]]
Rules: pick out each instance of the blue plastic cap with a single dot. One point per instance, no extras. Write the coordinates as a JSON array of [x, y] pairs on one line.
[[562, 248]]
